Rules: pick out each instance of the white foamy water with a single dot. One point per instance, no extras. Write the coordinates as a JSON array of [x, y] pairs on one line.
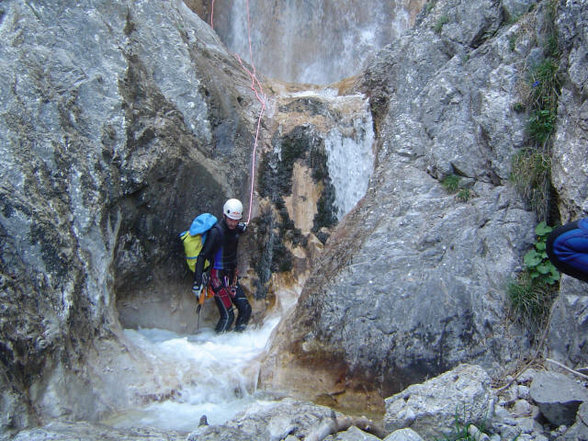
[[217, 374], [350, 157]]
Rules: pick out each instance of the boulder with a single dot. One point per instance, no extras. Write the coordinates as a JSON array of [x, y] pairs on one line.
[[579, 430], [558, 397], [433, 407], [404, 435], [352, 434]]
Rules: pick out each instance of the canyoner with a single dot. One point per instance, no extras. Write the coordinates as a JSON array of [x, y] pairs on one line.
[[211, 246]]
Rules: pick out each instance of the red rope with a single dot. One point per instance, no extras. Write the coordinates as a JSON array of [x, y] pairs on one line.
[[258, 90], [212, 14]]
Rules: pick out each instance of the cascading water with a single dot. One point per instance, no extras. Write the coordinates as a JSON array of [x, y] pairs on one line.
[[346, 125], [217, 374], [311, 42], [350, 157]]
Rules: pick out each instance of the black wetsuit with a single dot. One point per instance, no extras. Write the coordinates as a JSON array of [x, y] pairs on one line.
[[220, 248]]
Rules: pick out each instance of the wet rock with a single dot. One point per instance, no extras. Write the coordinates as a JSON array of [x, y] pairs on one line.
[[69, 431], [273, 422], [107, 150], [352, 434], [318, 54]]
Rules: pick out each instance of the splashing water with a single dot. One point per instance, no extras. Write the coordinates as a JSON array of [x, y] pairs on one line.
[[218, 374]]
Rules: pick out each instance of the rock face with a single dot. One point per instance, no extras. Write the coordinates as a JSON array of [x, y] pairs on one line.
[[413, 281], [568, 334], [558, 397], [110, 143], [116, 123], [570, 170]]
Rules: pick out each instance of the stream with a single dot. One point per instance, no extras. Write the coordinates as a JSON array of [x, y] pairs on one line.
[[218, 373]]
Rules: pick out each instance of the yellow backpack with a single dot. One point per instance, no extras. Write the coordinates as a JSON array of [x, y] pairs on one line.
[[194, 238]]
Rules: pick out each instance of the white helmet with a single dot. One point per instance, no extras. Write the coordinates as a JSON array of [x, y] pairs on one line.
[[233, 209]]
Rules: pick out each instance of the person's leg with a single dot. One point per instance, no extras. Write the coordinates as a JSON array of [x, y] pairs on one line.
[[567, 248], [244, 308], [223, 302], [226, 315]]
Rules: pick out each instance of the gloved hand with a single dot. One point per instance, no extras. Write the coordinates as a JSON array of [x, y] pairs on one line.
[[242, 226], [205, 279]]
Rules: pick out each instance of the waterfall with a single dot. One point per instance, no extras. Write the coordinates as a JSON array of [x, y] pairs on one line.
[[311, 42], [350, 158], [346, 125]]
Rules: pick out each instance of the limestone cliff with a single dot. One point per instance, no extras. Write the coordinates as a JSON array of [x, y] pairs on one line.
[[414, 280], [119, 122], [112, 140]]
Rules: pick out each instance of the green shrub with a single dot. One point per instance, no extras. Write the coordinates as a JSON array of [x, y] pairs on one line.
[[451, 183], [442, 21], [537, 262], [545, 83], [530, 300], [541, 125], [532, 293], [531, 167], [551, 46], [512, 42], [545, 87], [531, 176], [464, 194]]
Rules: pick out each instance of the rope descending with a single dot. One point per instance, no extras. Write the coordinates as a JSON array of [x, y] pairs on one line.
[[258, 90]]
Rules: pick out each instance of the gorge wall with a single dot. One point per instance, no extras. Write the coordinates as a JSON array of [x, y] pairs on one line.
[[415, 279], [112, 140], [110, 143]]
